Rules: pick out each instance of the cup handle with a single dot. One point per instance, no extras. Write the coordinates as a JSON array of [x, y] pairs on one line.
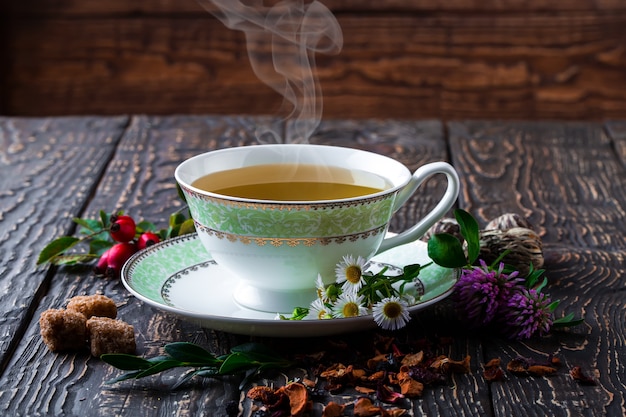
[[446, 203]]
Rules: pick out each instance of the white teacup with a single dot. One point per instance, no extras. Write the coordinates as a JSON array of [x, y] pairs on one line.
[[277, 246]]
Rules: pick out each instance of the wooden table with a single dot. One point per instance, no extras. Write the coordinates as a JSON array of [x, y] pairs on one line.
[[567, 178]]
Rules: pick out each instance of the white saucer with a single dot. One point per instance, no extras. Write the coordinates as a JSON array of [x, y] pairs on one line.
[[179, 276]]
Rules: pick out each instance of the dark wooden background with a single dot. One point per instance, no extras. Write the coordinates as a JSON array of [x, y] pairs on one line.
[[445, 59]]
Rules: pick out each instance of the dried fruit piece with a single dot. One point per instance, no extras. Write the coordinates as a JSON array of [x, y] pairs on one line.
[[298, 398], [445, 365], [525, 367], [387, 395], [364, 390], [493, 371], [580, 376], [363, 407], [413, 359], [332, 409], [411, 388]]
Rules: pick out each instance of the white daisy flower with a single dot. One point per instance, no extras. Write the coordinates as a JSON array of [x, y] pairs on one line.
[[349, 305], [322, 292], [391, 313], [318, 310], [349, 273]]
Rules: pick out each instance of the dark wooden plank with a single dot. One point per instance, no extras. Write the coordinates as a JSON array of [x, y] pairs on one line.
[[150, 7], [48, 169], [565, 177], [140, 180], [617, 132], [548, 64], [568, 180]]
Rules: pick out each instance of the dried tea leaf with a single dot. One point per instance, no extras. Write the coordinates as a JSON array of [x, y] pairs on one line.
[[540, 370], [411, 388], [332, 409], [298, 398], [364, 390], [413, 359], [580, 376], [493, 371], [392, 412], [525, 367], [445, 365], [363, 407]]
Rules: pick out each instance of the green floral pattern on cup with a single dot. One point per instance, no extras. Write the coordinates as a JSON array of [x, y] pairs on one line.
[[290, 220]]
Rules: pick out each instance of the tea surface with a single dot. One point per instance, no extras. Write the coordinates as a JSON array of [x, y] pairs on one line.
[[292, 182]]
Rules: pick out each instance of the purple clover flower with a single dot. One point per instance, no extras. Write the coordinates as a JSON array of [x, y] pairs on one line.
[[481, 291], [527, 312]]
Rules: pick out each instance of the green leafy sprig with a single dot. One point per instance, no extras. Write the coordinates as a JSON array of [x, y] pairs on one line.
[[377, 286], [249, 359], [95, 233]]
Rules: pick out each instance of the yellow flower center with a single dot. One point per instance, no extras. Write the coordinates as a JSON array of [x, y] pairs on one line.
[[322, 314], [353, 274], [350, 310], [392, 310]]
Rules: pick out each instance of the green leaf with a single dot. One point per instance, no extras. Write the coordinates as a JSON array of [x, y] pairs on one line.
[[533, 276], [73, 259], [187, 226], [89, 225], [411, 271], [99, 246], [190, 353], [56, 247], [471, 232], [176, 219], [105, 218], [541, 286], [123, 377], [236, 362], [160, 366], [145, 226], [446, 250], [126, 362], [298, 313], [259, 353], [553, 305], [567, 321], [180, 192]]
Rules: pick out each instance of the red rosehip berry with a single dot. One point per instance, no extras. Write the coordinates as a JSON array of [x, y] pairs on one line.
[[103, 264], [122, 228], [147, 239], [118, 254]]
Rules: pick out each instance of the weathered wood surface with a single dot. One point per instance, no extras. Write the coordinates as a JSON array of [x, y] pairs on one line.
[[401, 59], [48, 170], [569, 182], [566, 177]]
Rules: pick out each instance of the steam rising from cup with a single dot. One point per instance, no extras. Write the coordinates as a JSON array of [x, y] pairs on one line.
[[296, 30]]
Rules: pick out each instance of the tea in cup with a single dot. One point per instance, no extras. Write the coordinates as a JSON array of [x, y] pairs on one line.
[[276, 216]]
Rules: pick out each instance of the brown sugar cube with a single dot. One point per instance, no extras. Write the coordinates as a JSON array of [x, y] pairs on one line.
[[93, 305], [108, 335], [63, 330]]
